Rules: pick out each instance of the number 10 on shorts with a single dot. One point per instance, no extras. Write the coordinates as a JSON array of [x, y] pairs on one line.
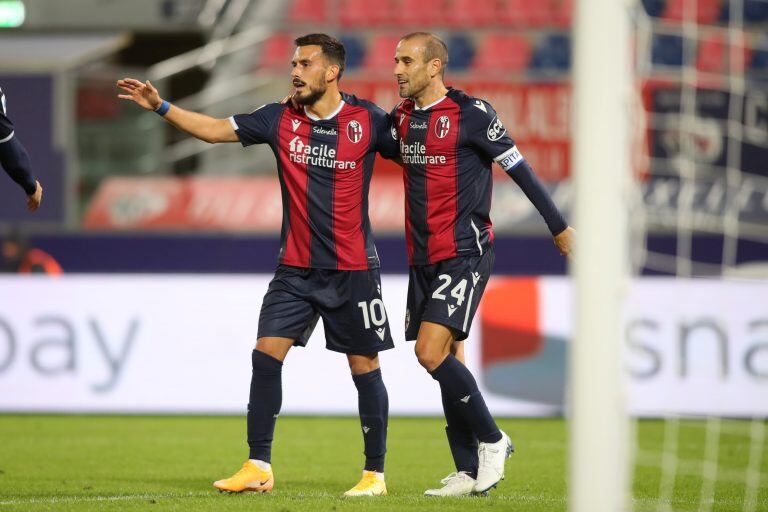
[[373, 312]]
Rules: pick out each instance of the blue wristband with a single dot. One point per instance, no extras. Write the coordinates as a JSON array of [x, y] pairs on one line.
[[163, 108]]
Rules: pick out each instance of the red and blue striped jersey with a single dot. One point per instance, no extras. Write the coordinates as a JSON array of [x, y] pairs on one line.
[[447, 150], [325, 168]]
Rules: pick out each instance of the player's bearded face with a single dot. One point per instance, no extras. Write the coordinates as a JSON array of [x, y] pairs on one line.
[[410, 69], [308, 76]]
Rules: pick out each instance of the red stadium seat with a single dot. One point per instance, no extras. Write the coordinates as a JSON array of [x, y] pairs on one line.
[[308, 11], [277, 52], [472, 13], [528, 13], [706, 11], [367, 13], [502, 53], [562, 12], [715, 53], [422, 13], [381, 54]]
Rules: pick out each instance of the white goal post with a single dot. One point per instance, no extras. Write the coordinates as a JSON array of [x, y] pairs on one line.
[[602, 82]]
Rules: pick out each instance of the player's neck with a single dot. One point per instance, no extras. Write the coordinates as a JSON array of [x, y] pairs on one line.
[[326, 105], [430, 94]]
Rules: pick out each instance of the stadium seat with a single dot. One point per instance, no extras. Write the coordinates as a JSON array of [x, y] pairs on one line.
[[654, 7], [308, 11], [460, 52], [381, 54], [562, 13], [421, 13], [365, 13], [527, 13], [472, 13], [502, 53], [277, 52], [758, 65], [355, 51], [552, 54], [667, 50], [706, 11], [714, 55], [756, 11]]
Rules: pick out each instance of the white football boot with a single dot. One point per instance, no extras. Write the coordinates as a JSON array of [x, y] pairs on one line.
[[455, 484], [492, 457]]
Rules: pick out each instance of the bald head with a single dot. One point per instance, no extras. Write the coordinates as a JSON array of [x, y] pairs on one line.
[[434, 47]]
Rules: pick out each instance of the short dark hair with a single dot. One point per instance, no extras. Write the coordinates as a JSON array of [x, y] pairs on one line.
[[434, 47], [332, 48]]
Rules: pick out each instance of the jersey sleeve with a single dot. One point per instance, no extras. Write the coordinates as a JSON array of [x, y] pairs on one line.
[[6, 126], [259, 126], [488, 135], [386, 135]]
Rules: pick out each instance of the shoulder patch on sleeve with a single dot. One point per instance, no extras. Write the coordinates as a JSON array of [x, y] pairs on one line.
[[479, 104], [496, 130]]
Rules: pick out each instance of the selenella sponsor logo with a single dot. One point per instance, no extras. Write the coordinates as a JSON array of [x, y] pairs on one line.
[[416, 154], [324, 131], [320, 155], [418, 126]]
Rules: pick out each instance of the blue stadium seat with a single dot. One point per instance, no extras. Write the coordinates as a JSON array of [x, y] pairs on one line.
[[667, 50], [553, 54], [654, 7], [460, 52], [755, 11], [355, 51], [758, 66]]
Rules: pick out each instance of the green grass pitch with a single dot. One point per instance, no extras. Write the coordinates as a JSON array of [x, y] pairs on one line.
[[111, 463]]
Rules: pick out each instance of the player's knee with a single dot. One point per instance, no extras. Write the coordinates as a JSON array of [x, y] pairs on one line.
[[360, 365], [427, 356]]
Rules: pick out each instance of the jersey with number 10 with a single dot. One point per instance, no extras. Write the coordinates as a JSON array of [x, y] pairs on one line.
[[325, 168], [447, 149]]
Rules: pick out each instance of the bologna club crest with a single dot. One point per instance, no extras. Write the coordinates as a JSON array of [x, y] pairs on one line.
[[354, 131], [442, 126]]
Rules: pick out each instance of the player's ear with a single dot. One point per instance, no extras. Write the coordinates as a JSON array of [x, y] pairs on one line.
[[434, 67], [332, 73]]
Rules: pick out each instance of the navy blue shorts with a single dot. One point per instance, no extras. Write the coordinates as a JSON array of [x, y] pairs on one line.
[[348, 301], [447, 293]]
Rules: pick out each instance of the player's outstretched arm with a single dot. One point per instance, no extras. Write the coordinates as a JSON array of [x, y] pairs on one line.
[[200, 126]]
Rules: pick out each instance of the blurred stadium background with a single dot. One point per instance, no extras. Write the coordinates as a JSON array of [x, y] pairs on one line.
[[167, 243]]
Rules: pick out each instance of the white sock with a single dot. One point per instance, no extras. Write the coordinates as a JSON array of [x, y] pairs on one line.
[[380, 476], [264, 466]]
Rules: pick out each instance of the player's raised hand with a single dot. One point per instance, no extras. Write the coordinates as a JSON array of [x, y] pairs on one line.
[[33, 201], [142, 93], [565, 241]]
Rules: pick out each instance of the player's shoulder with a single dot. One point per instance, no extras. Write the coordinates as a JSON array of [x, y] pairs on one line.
[[270, 109], [472, 106]]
